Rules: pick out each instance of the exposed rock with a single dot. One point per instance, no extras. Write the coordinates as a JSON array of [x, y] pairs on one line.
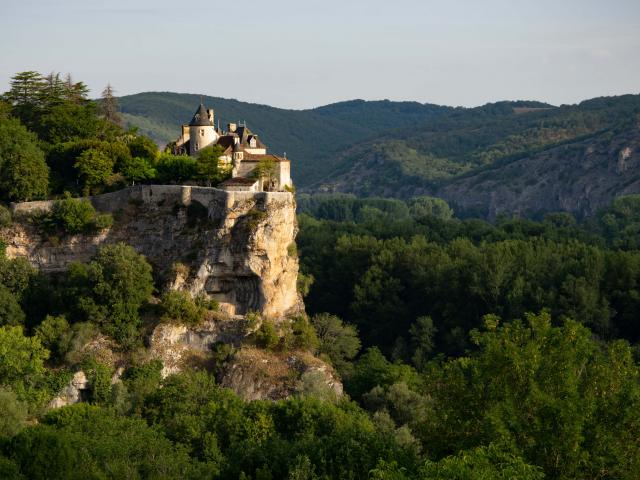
[[233, 245], [252, 373], [580, 178], [257, 374], [73, 392], [178, 346]]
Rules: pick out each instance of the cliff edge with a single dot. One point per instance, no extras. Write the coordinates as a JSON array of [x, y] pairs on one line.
[[235, 247]]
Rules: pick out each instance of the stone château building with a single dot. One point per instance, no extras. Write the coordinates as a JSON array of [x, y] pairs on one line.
[[242, 149]]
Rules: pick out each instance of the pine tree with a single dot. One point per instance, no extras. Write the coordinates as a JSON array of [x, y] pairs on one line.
[[110, 106], [53, 91], [26, 89]]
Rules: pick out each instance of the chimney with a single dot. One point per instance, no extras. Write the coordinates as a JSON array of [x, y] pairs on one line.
[[232, 127]]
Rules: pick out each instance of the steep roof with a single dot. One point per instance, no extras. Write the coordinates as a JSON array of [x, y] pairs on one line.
[[201, 118]]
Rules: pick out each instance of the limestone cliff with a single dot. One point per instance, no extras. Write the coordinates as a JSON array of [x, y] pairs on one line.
[[235, 247], [232, 246]]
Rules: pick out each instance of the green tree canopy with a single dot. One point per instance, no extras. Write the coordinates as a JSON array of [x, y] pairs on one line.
[[111, 289], [24, 175]]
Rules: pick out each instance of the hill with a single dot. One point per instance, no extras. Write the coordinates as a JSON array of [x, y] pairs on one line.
[[472, 157]]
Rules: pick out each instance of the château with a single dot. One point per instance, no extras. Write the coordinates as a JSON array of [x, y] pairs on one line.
[[241, 148]]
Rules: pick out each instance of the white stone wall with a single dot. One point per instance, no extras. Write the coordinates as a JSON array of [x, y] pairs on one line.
[[202, 137]]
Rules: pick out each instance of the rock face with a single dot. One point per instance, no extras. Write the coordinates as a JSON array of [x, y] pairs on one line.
[[74, 392], [256, 374], [580, 178], [232, 246], [253, 373]]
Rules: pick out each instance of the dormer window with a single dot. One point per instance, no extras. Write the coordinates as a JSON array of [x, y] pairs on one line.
[[252, 143]]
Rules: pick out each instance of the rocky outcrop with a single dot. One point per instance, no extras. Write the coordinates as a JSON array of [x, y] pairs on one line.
[[177, 345], [231, 246], [257, 374], [253, 373], [73, 392]]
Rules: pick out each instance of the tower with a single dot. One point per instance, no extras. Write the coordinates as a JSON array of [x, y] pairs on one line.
[[202, 132]]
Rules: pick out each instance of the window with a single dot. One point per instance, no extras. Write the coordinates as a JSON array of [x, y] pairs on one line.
[[202, 132]]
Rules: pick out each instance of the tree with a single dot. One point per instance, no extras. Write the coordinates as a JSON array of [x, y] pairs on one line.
[[95, 168], [10, 311], [53, 89], [483, 462], [338, 341], [422, 334], [111, 289], [208, 164], [143, 147], [137, 169], [109, 106], [84, 441], [21, 358], [561, 400], [14, 414], [265, 171], [24, 174], [25, 95], [430, 206]]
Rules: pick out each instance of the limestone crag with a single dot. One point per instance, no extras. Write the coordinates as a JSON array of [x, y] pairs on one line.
[[257, 374], [232, 246], [177, 345]]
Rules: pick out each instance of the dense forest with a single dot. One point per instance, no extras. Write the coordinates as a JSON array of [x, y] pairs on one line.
[[467, 349]]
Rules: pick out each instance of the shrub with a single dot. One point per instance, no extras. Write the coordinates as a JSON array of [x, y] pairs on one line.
[[102, 221], [304, 283], [254, 218], [5, 216], [72, 216], [207, 303], [10, 311], [336, 340], [55, 334], [301, 335], [111, 289], [179, 306], [267, 335]]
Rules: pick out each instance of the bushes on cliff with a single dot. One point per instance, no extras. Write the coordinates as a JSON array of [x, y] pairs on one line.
[[72, 216], [179, 306], [111, 289]]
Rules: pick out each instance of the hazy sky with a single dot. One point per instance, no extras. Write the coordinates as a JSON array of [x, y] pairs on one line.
[[307, 53]]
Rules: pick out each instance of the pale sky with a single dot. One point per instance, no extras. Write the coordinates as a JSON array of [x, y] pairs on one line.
[[306, 53]]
